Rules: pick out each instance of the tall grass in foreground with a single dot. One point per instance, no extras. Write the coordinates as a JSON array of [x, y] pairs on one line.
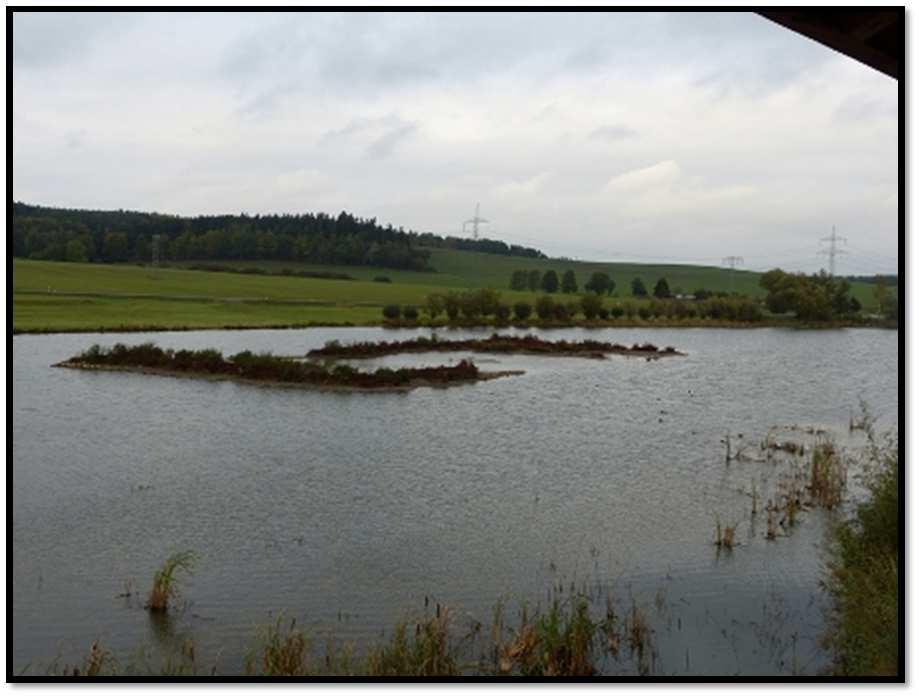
[[165, 587], [565, 639], [863, 631]]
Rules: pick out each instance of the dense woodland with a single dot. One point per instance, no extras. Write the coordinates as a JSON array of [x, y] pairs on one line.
[[59, 234]]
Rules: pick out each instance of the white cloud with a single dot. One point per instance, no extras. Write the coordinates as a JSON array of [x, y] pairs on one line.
[[661, 175], [523, 187]]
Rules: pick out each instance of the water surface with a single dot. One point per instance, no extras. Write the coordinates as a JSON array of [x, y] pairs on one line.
[[346, 510]]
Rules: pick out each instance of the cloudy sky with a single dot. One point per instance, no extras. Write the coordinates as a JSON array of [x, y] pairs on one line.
[[642, 136]]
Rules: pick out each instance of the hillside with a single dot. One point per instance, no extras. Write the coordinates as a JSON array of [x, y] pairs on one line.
[[117, 236], [462, 269]]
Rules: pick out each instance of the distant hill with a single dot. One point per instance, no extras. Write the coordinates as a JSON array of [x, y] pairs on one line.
[[886, 279], [460, 269], [62, 234]]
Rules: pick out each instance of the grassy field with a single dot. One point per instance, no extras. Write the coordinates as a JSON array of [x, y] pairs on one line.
[[71, 297], [64, 296], [458, 269]]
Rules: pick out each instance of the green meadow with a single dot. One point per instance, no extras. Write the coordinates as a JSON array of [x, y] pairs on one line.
[[61, 296]]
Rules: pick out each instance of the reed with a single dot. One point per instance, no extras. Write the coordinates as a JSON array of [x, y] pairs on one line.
[[425, 652], [827, 476], [725, 535], [283, 651], [638, 632], [165, 587]]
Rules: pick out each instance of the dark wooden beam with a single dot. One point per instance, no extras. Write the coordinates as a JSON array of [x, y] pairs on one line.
[[849, 31]]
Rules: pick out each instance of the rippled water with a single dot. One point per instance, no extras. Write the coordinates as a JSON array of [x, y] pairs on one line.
[[346, 510]]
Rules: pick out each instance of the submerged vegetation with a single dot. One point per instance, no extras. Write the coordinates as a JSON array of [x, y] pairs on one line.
[[496, 343], [862, 575], [266, 368]]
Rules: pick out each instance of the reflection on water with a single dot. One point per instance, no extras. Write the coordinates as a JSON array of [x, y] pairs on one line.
[[346, 510]]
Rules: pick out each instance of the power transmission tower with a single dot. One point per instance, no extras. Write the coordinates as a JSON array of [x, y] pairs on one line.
[[732, 261], [832, 251], [475, 220]]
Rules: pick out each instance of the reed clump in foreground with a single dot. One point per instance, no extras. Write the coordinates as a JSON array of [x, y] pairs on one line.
[[247, 366], [165, 582], [566, 639], [496, 343]]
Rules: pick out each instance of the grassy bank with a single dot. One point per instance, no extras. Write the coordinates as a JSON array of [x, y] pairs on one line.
[[863, 630]]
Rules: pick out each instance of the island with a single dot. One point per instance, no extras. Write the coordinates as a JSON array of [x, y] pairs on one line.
[[496, 343], [266, 369]]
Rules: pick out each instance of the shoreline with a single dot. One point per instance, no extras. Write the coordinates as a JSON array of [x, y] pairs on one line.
[[483, 376], [154, 328]]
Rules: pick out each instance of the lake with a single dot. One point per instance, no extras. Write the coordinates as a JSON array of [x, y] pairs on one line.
[[347, 510]]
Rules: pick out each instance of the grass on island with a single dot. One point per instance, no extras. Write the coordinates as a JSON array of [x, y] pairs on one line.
[[496, 343]]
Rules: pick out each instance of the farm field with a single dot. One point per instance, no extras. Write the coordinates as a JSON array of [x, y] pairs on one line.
[[461, 269], [72, 297]]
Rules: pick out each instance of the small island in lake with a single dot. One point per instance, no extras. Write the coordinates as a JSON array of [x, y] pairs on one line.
[[253, 368], [496, 343]]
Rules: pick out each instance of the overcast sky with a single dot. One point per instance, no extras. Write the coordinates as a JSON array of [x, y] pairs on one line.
[[645, 136]]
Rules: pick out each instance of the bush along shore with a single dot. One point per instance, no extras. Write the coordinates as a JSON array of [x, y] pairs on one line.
[[268, 369], [496, 343]]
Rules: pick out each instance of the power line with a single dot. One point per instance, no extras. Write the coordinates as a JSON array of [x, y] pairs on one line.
[[732, 261], [475, 220], [832, 251]]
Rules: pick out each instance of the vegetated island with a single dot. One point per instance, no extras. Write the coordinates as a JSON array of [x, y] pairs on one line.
[[265, 369], [496, 343]]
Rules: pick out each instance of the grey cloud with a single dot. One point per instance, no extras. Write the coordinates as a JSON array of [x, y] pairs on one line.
[[861, 108], [361, 125], [613, 133], [383, 146], [46, 40]]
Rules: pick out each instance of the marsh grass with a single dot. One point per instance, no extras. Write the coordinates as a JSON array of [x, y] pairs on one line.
[[770, 522], [98, 662], [863, 574], [165, 586], [725, 535], [282, 651], [638, 632], [422, 650], [827, 476]]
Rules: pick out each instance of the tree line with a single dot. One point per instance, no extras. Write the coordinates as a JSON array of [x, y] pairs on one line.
[[599, 283], [818, 297], [486, 304], [60, 234]]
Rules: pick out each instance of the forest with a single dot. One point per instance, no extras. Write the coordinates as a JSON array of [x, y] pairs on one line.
[[61, 234]]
